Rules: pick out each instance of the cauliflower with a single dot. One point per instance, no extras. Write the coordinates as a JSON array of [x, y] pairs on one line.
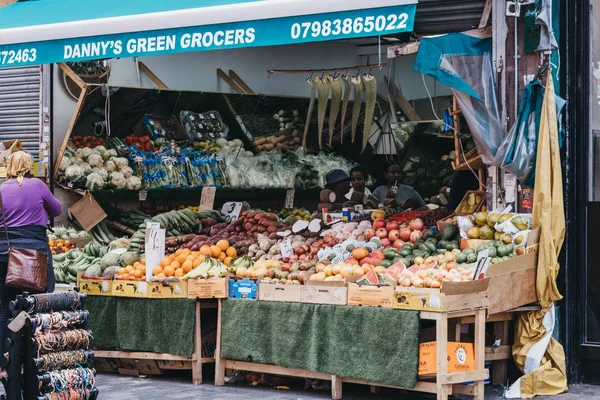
[[100, 149], [87, 168], [117, 180], [102, 172], [110, 166], [95, 160], [121, 162], [64, 163], [134, 183], [95, 181], [126, 171], [85, 152], [75, 173]]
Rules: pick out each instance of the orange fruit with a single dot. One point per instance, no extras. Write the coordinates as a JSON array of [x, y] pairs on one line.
[[199, 260], [122, 271], [161, 276], [157, 270], [143, 261], [191, 257], [179, 272], [187, 266], [231, 252], [125, 276], [178, 252], [138, 274], [165, 261], [222, 256], [223, 244], [205, 250], [181, 258], [187, 252], [215, 251], [227, 261], [129, 269], [169, 271], [175, 264]]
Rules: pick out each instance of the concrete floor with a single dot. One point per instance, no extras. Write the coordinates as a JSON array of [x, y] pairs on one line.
[[117, 387]]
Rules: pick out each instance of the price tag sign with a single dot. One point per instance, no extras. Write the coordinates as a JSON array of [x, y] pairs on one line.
[[286, 249], [358, 208], [155, 247], [207, 200], [289, 198], [231, 211], [143, 195]]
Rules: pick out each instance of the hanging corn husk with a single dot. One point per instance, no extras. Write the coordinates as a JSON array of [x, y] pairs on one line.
[[370, 98], [311, 105], [323, 94], [347, 90], [336, 99], [358, 96]]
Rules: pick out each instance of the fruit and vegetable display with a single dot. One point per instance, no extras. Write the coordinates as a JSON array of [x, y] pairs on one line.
[[60, 239]]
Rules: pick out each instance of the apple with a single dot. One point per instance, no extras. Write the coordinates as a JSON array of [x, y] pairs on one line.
[[398, 244], [375, 261], [381, 233], [394, 235], [392, 226], [405, 234], [369, 233], [377, 254], [379, 224], [352, 260], [385, 242]]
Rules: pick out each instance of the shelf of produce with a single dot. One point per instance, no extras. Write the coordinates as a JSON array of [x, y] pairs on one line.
[[223, 194], [445, 383], [194, 363]]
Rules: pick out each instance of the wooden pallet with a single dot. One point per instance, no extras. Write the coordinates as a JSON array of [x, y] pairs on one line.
[[194, 363], [445, 383]]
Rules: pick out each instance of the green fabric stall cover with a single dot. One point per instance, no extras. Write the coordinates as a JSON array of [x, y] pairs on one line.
[[373, 344], [152, 325]]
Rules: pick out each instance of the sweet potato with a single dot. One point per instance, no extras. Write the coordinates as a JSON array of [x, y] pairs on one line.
[[270, 216]]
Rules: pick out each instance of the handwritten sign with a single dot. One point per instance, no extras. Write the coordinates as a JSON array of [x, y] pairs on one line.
[[207, 199], [231, 211], [286, 249], [289, 198], [155, 247]]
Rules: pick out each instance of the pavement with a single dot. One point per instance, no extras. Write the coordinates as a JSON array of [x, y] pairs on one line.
[[179, 387]]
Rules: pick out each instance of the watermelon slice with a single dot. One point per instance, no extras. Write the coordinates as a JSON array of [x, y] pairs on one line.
[[396, 269], [370, 278], [414, 269]]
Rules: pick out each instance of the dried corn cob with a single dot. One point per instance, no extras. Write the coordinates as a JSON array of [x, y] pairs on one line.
[[323, 94], [347, 90], [370, 97], [311, 105], [336, 100], [358, 96]]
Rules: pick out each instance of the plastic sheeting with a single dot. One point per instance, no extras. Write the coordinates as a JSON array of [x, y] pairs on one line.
[[464, 63]]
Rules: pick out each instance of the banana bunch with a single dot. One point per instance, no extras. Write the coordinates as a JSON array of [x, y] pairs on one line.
[[241, 262], [67, 265], [210, 268], [95, 250]]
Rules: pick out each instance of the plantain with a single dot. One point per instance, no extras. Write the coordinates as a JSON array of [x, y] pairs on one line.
[[336, 100], [370, 97], [311, 105], [358, 96], [323, 94], [347, 90]]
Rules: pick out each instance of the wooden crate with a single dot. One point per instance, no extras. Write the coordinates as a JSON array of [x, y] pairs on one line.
[[280, 292], [325, 293], [208, 288], [370, 296]]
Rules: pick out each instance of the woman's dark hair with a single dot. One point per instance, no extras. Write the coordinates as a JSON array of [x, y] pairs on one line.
[[361, 170]]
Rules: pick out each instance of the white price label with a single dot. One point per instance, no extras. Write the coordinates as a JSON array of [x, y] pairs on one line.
[[143, 195], [231, 211], [358, 208], [289, 198], [286, 249], [207, 200]]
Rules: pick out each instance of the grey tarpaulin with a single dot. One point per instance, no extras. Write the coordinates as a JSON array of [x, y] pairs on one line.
[[544, 19]]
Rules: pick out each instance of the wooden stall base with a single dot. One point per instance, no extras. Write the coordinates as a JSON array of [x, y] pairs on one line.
[[195, 362], [445, 383]]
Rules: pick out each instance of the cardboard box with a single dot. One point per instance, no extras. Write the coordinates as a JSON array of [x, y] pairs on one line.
[[208, 288], [280, 292], [243, 289], [371, 296], [124, 288], [209, 340], [80, 243], [325, 293], [461, 357], [10, 146], [172, 290], [96, 287]]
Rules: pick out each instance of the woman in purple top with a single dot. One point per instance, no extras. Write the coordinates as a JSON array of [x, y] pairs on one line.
[[27, 204]]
